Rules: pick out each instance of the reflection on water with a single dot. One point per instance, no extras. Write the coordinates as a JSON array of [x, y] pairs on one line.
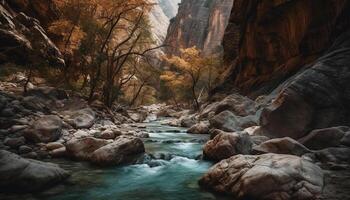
[[170, 173]]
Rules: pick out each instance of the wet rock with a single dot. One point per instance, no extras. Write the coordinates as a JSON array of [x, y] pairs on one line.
[[187, 121], [23, 175], [268, 176], [200, 128], [328, 137], [282, 146], [227, 121], [84, 118], [46, 129], [121, 151], [83, 148], [226, 145], [14, 142]]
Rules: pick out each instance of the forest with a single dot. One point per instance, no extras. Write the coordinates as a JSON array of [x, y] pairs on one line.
[[174, 99]]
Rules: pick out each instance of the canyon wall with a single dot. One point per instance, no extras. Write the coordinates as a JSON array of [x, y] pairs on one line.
[[23, 38], [199, 23], [268, 41]]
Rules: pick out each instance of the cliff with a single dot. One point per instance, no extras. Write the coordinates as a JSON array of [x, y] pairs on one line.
[[23, 39], [269, 41], [199, 23]]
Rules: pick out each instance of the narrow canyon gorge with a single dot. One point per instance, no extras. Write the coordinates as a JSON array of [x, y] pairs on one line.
[[175, 99]]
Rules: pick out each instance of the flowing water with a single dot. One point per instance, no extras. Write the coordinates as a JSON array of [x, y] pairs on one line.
[[169, 171]]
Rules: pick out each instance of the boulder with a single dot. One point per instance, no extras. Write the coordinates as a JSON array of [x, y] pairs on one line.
[[314, 98], [282, 146], [107, 134], [226, 145], [46, 129], [83, 148], [84, 118], [54, 145], [199, 128], [121, 151], [14, 142], [24, 149], [58, 153], [227, 121], [267, 176], [187, 121], [337, 155], [24, 175], [328, 137]]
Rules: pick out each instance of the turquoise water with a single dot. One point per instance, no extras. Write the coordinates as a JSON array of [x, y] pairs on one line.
[[169, 171]]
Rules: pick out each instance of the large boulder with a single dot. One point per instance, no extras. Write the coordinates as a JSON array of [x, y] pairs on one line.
[[268, 177], [227, 121], [328, 137], [121, 151], [199, 128], [83, 148], [84, 118], [282, 146], [24, 175], [46, 129], [314, 98], [225, 145]]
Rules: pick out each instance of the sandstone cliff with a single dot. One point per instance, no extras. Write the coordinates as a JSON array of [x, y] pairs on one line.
[[268, 41], [199, 23]]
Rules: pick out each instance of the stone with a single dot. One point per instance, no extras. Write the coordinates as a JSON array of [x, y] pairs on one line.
[[24, 175], [282, 146], [24, 149], [106, 134], [227, 121], [336, 155], [83, 148], [84, 118], [46, 129], [58, 153], [237, 104], [14, 142], [199, 128], [267, 176], [53, 145], [226, 145], [324, 138], [121, 151], [187, 121]]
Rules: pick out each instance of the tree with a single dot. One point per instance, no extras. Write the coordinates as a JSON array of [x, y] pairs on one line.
[[191, 73]]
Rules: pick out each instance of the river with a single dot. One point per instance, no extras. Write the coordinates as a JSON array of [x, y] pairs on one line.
[[169, 171]]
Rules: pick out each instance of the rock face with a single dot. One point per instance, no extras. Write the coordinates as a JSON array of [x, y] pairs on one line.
[[160, 16], [268, 41], [23, 40], [317, 97], [268, 176], [207, 18], [225, 145], [24, 175]]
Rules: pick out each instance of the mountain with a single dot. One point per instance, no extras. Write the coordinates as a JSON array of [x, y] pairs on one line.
[[199, 23]]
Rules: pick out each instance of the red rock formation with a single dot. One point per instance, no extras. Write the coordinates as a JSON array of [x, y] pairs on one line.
[[268, 41], [199, 23]]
